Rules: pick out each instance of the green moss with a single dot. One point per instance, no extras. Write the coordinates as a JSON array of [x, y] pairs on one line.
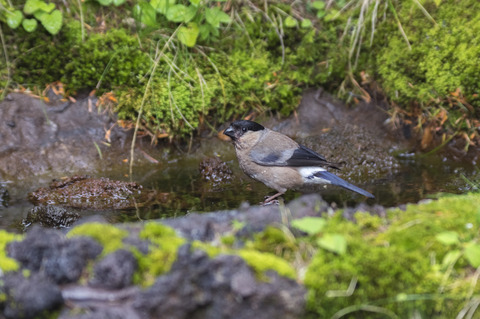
[[109, 236], [381, 273], [417, 226], [113, 57], [228, 240], [258, 260], [261, 262], [212, 251], [274, 240], [443, 57], [368, 221], [399, 268], [7, 263], [163, 247]]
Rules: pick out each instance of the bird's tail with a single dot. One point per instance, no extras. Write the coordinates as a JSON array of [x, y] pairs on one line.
[[335, 180]]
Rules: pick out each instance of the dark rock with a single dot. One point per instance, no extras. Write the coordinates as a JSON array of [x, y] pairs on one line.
[[36, 245], [141, 245], [4, 197], [104, 313], [204, 226], [66, 264], [50, 216], [30, 297], [223, 287], [115, 271], [60, 259]]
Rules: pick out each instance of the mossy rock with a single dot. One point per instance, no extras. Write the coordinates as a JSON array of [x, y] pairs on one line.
[[7, 263]]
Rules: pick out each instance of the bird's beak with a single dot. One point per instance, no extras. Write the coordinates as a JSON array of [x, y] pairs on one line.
[[230, 132]]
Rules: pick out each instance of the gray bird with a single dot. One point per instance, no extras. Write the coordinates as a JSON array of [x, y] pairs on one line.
[[279, 162]]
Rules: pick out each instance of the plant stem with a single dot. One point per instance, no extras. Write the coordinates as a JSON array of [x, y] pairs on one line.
[[140, 112]]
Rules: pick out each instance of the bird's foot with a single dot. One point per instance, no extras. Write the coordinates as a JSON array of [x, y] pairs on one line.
[[272, 200]]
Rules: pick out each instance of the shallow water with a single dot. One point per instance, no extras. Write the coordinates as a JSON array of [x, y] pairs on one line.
[[179, 178]]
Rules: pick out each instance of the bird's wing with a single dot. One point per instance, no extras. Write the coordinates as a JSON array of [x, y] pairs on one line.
[[276, 149], [303, 156]]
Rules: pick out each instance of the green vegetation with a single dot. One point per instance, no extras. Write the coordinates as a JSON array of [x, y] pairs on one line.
[[7, 263], [421, 260], [208, 61], [201, 58], [263, 262], [109, 236], [438, 77], [163, 246]]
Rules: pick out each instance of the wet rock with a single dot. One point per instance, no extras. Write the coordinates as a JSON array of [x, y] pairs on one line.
[[93, 193], [115, 271], [215, 171], [223, 287], [48, 251], [36, 136], [206, 226], [50, 216], [30, 297]]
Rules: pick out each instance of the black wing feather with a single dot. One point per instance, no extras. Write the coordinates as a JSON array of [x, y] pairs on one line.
[[303, 156]]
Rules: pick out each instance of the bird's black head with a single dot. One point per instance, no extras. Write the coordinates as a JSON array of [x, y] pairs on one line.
[[238, 128]]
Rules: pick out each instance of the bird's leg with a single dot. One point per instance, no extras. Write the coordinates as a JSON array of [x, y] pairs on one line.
[[269, 199]]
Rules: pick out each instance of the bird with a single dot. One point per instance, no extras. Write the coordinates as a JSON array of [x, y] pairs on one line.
[[279, 162]]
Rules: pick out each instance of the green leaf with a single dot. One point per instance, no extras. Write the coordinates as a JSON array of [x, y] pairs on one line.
[[290, 22], [448, 238], [118, 2], [29, 25], [450, 258], [14, 18], [215, 16], [105, 2], [145, 13], [31, 6], [176, 13], [472, 253], [333, 242], [188, 35], [319, 5], [34, 5], [52, 22], [310, 225], [195, 2], [190, 14], [205, 31], [306, 23], [48, 7], [162, 6], [321, 14]]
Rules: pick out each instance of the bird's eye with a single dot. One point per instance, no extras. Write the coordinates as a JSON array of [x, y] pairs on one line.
[[244, 129]]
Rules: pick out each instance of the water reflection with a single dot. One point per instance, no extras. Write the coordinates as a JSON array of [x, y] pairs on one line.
[[186, 191]]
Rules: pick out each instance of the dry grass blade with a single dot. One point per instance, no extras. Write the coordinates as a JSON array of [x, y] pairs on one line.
[[158, 56]]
